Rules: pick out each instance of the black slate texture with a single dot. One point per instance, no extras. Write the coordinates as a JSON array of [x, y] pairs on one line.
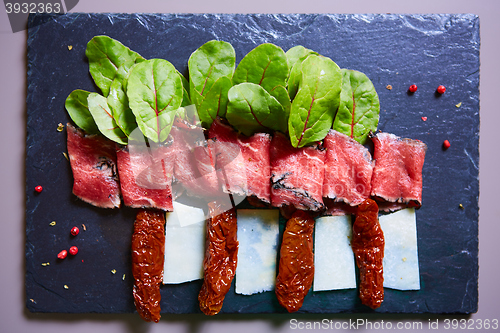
[[396, 50]]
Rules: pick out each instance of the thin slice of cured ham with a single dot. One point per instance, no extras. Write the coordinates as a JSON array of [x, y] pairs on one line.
[[297, 175], [243, 162], [397, 176], [348, 173], [93, 162], [146, 176], [193, 168]]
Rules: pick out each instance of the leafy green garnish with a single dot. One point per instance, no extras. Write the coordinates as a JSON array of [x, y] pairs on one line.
[[77, 106], [118, 100], [266, 65], [210, 62], [359, 109], [317, 99], [154, 90], [295, 56], [105, 56], [98, 107], [214, 103], [251, 109]]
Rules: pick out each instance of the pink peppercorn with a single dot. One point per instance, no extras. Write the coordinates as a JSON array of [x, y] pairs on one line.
[[446, 144], [73, 250], [63, 254], [38, 189], [75, 231], [412, 88], [441, 89]]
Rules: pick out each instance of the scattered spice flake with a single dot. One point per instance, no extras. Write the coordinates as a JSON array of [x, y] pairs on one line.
[[65, 156], [424, 118], [404, 259], [32, 300], [66, 286], [53, 223], [60, 127], [123, 277], [84, 227], [45, 264], [113, 271], [461, 206], [389, 87], [459, 105], [70, 47]]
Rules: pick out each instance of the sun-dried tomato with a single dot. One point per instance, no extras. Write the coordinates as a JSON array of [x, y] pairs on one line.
[[148, 244], [368, 246], [296, 266], [221, 257]]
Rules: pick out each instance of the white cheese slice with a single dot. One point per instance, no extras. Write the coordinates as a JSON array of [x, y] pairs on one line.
[[184, 244], [400, 254], [258, 233], [334, 265]]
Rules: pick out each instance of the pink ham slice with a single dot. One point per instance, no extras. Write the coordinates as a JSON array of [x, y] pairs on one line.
[[243, 163], [146, 176], [93, 162], [397, 176], [297, 175], [348, 173], [193, 168]]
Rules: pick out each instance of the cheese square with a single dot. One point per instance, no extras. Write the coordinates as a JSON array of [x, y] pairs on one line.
[[258, 233], [400, 254], [334, 265], [184, 244]]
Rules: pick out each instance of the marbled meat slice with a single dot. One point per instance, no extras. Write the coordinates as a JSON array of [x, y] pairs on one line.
[[256, 154], [297, 175], [93, 162], [229, 160], [146, 176], [397, 175], [191, 157], [148, 246], [348, 172]]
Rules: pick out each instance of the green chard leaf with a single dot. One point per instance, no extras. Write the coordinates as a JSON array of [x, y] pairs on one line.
[[295, 56], [98, 107], [317, 99], [359, 108], [281, 95], [252, 109], [211, 61], [266, 65], [214, 103], [105, 56], [154, 90], [185, 91], [118, 100], [207, 65], [77, 106]]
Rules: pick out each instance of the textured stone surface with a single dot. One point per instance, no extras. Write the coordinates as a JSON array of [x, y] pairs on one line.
[[397, 50]]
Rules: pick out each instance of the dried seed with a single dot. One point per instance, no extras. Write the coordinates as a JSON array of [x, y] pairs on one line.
[[389, 87], [60, 127], [53, 223]]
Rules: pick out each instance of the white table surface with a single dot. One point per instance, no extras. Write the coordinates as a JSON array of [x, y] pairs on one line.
[[15, 318]]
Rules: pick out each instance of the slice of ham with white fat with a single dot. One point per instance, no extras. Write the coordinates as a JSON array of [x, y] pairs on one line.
[[348, 173], [93, 162], [146, 176], [296, 175], [397, 175], [243, 163]]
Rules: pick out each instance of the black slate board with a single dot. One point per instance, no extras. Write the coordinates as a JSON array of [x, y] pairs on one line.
[[397, 50]]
